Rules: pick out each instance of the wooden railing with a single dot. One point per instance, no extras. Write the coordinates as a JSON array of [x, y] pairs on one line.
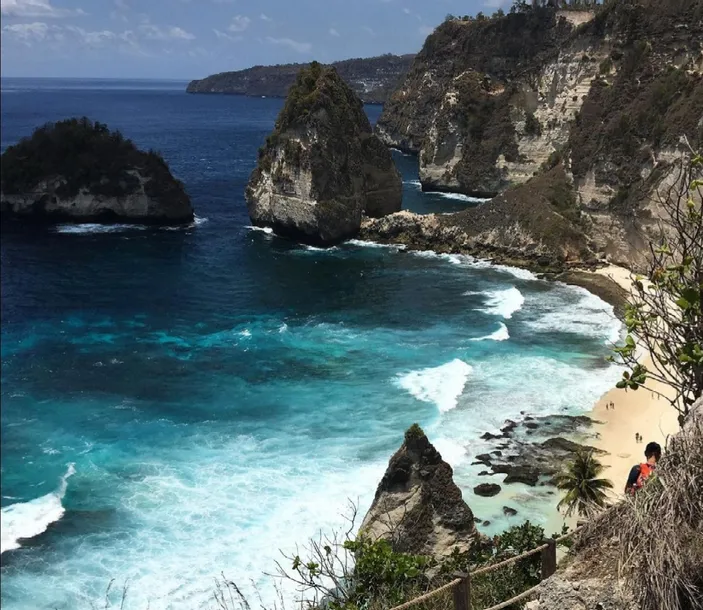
[[461, 585]]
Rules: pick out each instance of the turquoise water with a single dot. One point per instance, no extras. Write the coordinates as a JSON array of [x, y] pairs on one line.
[[178, 404]]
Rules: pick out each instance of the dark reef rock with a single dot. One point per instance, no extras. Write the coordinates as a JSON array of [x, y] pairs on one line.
[[510, 512], [417, 504], [79, 171], [372, 78], [322, 168], [487, 490]]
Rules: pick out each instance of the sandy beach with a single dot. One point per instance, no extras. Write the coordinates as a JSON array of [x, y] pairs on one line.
[[641, 411]]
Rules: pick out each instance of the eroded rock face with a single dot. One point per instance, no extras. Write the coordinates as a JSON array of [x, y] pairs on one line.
[[322, 168], [535, 225], [488, 104], [417, 506], [79, 171]]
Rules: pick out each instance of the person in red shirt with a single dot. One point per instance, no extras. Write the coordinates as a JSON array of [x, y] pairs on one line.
[[638, 474]]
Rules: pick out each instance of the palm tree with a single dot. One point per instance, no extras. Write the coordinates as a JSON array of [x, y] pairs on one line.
[[585, 492]]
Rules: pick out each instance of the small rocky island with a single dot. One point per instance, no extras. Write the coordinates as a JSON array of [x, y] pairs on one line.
[[79, 171], [322, 168]]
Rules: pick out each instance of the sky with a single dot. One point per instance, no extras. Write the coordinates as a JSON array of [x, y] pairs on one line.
[[185, 39]]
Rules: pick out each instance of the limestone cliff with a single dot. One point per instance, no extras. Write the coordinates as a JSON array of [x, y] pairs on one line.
[[417, 506], [79, 171], [490, 103], [536, 225], [322, 168]]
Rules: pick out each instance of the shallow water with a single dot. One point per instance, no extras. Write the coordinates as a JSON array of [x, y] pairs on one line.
[[222, 393]]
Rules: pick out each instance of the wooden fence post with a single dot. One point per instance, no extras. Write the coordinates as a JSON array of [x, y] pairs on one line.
[[549, 559], [462, 592]]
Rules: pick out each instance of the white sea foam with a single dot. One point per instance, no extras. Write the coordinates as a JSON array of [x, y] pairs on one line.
[[372, 244], [585, 315], [501, 334], [267, 230], [441, 385], [91, 227], [405, 154], [459, 197], [453, 452], [94, 227], [477, 263], [454, 259], [28, 519], [504, 302]]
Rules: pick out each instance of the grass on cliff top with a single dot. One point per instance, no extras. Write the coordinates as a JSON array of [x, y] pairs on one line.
[[85, 154], [320, 87]]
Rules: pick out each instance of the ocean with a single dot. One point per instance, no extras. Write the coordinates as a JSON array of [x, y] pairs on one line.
[[178, 404]]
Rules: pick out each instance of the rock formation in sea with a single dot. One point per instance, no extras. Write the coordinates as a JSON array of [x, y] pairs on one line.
[[373, 79], [322, 168], [79, 171], [417, 506], [606, 93]]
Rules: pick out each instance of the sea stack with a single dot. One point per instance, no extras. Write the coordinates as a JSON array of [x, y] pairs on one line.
[[79, 171], [418, 507], [322, 168]]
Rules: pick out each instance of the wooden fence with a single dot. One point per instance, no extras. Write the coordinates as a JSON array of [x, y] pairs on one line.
[[461, 585]]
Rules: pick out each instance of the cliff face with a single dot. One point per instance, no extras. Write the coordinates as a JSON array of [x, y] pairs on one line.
[[417, 506], [79, 171], [535, 225], [322, 168], [372, 79], [489, 104]]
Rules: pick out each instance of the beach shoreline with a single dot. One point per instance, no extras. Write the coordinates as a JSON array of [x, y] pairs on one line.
[[644, 411]]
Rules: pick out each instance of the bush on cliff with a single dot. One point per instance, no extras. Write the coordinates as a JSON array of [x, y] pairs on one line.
[[664, 314], [85, 154]]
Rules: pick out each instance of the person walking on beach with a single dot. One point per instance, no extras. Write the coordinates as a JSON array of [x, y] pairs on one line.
[[640, 473]]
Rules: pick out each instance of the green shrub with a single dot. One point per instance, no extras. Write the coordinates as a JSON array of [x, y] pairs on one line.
[[84, 154], [414, 432]]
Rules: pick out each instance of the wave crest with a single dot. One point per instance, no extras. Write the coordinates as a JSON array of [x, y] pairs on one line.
[[24, 520], [504, 302], [501, 334], [441, 385]]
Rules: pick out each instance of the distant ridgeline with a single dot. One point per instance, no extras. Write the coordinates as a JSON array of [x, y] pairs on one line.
[[373, 79]]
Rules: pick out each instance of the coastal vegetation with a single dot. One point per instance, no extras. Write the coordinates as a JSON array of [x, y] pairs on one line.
[[664, 314], [83, 154], [373, 79], [585, 492]]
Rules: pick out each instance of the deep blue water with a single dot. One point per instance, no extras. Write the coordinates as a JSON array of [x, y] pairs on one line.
[[221, 393]]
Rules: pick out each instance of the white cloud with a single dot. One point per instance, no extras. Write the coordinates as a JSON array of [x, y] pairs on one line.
[[225, 35], [264, 17], [27, 32], [300, 47], [334, 32], [155, 32], [406, 10], [369, 30], [34, 8], [239, 23], [92, 38]]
